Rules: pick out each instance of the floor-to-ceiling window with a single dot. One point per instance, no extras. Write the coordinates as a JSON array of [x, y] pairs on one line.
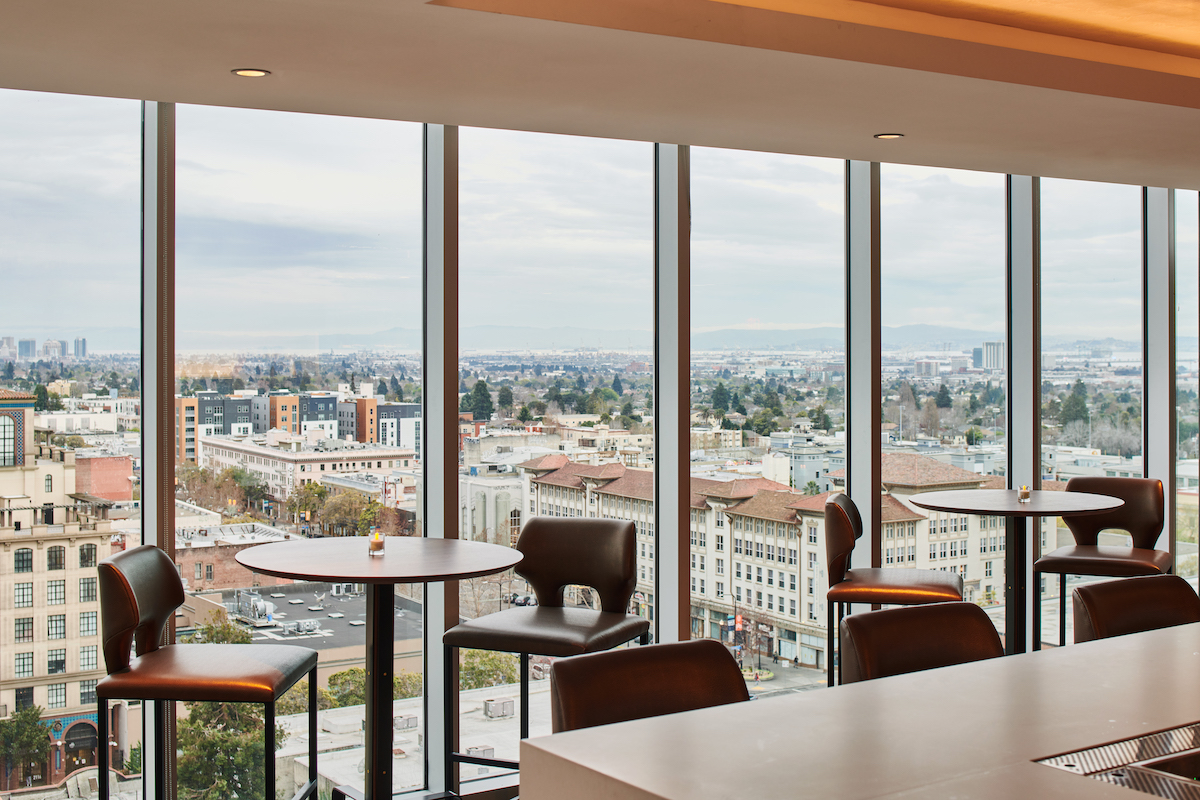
[[1091, 348], [768, 428], [942, 289], [70, 402], [555, 377], [1187, 421], [298, 380]]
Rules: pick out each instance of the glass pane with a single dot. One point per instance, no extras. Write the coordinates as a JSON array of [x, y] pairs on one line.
[[768, 408], [1187, 422], [70, 367], [1091, 351], [944, 371], [557, 252], [298, 319]]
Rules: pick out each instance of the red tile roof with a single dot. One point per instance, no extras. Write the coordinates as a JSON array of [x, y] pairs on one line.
[[768, 505], [738, 488], [918, 471], [895, 511], [635, 483], [12, 394], [549, 461], [812, 502]]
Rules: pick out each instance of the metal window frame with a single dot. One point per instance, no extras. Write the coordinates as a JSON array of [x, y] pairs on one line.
[[672, 391], [1023, 382], [1158, 348]]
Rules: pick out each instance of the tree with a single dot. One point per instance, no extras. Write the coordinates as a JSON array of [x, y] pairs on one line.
[[627, 409], [974, 436], [820, 418], [580, 383], [720, 398], [133, 764], [504, 397], [943, 397], [9, 371], [1074, 407], [221, 744], [45, 400], [343, 512], [481, 401], [23, 741], [349, 687], [811, 488], [524, 415], [254, 491], [370, 517], [483, 668], [295, 699], [617, 385], [306, 500]]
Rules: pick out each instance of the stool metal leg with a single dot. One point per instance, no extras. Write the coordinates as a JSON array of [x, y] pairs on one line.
[[451, 689], [524, 666], [312, 729], [1062, 610], [269, 750], [102, 749], [843, 610], [829, 643]]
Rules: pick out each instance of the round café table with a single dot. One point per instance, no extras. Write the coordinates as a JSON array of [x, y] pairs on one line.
[[405, 559], [1005, 503]]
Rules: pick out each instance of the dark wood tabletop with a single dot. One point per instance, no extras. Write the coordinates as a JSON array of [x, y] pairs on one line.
[[1004, 503], [405, 559]]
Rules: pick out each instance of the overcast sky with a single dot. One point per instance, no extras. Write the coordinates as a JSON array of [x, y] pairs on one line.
[[307, 224]]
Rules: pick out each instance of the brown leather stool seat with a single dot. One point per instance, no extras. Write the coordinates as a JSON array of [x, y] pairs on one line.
[[559, 552], [1115, 608], [1141, 516], [893, 587], [896, 641], [139, 592], [623, 685]]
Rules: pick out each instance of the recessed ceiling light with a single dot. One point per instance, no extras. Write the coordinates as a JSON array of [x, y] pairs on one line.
[[889, 136], [251, 73]]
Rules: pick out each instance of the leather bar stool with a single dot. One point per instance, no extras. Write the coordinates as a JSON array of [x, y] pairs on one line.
[[1141, 517], [139, 592], [641, 682], [1115, 608], [559, 552], [893, 587], [896, 641]]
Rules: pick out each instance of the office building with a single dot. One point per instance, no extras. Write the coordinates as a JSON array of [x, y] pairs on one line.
[[81, 348], [27, 349]]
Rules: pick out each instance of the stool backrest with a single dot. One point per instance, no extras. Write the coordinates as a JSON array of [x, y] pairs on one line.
[[139, 592], [1141, 516], [573, 551], [1133, 605], [639, 682], [843, 526], [896, 641]]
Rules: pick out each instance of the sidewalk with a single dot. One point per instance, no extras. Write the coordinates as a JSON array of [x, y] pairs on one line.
[[787, 680]]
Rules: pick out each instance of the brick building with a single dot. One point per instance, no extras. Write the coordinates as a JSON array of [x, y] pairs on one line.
[[104, 474]]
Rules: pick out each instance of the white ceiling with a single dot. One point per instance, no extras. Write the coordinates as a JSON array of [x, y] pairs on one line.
[[820, 88]]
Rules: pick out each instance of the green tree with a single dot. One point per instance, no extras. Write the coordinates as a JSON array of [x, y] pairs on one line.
[[481, 401], [580, 383], [133, 764], [370, 517], [974, 436], [943, 397], [524, 414], [349, 687], [221, 744], [617, 386], [342, 512], [811, 488], [253, 490], [1074, 407], [295, 699], [23, 741], [504, 397], [306, 500], [9, 371], [45, 400], [720, 397], [627, 409], [820, 418], [483, 668]]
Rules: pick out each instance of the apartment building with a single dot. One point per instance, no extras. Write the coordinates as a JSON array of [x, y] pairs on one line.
[[51, 538], [757, 547], [283, 462]]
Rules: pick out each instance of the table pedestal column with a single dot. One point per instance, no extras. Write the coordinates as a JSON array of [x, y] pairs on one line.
[[1016, 597], [381, 630]]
